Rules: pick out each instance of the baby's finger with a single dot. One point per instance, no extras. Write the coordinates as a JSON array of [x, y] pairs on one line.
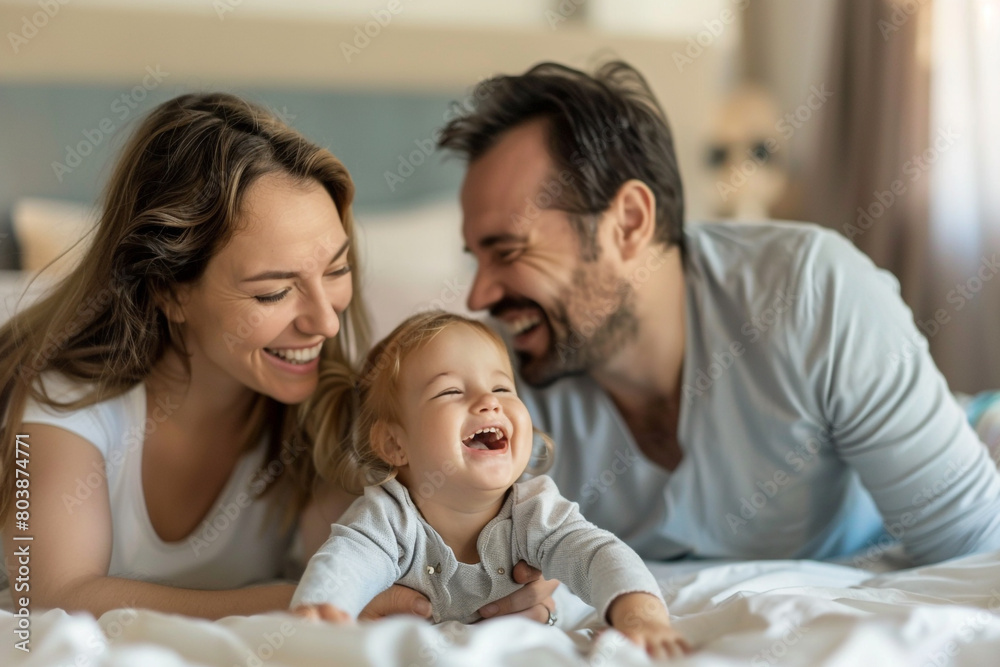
[[306, 611], [334, 615]]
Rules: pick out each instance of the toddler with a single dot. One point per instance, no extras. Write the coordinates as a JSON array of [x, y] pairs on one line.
[[443, 439]]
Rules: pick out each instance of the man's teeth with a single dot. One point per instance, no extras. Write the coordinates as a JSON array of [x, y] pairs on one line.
[[523, 323], [299, 356]]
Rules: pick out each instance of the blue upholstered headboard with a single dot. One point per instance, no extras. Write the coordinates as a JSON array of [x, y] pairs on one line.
[[374, 133]]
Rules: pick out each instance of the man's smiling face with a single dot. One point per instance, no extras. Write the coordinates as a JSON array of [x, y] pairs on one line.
[[565, 313]]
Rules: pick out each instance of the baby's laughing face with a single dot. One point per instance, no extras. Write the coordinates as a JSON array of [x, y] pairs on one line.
[[463, 431]]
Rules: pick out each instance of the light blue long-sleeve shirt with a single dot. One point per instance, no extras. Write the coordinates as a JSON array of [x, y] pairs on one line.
[[813, 420]]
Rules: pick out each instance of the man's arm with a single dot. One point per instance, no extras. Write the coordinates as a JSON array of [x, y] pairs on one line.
[[891, 414]]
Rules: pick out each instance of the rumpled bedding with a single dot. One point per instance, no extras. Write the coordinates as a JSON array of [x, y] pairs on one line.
[[737, 613]]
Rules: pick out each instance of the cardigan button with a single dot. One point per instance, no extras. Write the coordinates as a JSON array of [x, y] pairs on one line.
[[500, 570]]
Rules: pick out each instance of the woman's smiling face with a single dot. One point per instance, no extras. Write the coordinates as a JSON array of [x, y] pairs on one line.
[[273, 295]]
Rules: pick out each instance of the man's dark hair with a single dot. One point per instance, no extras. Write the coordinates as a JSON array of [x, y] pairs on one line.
[[603, 130]]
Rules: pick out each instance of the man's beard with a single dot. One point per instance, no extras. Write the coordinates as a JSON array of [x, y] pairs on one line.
[[594, 319]]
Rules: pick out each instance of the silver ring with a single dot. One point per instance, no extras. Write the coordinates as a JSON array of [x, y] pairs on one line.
[[552, 617]]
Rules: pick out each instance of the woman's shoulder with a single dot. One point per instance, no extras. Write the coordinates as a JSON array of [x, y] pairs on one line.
[[103, 423]]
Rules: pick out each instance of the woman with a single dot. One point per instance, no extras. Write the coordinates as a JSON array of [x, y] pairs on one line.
[[159, 385]]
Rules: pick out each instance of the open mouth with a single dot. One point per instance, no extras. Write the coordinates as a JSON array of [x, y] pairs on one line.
[[523, 325], [490, 438]]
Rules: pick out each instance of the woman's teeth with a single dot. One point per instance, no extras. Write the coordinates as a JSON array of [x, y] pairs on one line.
[[296, 356]]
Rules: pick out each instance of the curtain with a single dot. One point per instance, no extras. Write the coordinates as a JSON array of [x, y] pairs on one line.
[[965, 191], [907, 165]]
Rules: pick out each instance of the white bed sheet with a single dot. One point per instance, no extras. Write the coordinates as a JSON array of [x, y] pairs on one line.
[[758, 613]]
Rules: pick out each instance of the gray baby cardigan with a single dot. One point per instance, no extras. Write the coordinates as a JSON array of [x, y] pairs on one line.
[[382, 539]]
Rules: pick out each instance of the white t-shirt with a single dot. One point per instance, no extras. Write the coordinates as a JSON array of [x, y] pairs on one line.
[[238, 543]]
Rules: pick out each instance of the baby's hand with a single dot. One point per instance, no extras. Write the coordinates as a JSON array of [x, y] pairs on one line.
[[642, 618], [323, 612]]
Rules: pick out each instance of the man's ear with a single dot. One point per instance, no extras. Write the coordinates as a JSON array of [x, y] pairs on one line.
[[172, 301], [633, 212], [385, 440]]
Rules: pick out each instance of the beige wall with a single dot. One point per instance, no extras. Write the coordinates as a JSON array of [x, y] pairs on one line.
[[85, 43]]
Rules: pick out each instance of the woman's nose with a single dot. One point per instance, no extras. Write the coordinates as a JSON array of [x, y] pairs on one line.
[[319, 317]]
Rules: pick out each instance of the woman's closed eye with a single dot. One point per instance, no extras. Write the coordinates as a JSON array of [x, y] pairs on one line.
[[342, 271], [271, 298], [278, 296]]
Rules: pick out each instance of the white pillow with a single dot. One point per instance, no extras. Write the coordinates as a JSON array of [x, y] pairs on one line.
[[45, 228], [413, 261]]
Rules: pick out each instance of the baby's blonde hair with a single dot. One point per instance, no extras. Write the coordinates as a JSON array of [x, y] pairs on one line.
[[348, 406]]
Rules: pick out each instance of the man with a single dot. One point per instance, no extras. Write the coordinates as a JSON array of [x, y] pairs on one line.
[[716, 390]]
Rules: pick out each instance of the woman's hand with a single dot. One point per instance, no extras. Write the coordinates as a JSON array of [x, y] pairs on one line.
[[533, 601], [396, 600]]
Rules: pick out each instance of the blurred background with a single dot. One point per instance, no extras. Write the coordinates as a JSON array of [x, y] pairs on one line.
[[876, 118]]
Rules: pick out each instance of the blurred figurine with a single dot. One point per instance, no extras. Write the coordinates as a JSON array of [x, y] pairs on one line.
[[747, 176]]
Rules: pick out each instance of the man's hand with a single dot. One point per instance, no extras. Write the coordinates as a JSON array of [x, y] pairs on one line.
[[533, 601], [642, 618], [396, 600], [323, 612]]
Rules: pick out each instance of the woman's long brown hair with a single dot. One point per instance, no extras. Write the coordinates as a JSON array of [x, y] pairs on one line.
[[173, 201]]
